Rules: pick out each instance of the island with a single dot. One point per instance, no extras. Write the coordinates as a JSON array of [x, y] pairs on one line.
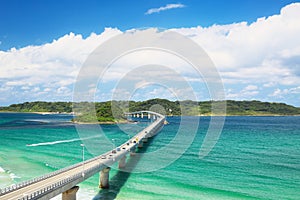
[[112, 112]]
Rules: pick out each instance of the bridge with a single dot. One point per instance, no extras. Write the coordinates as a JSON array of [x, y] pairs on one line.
[[64, 181]]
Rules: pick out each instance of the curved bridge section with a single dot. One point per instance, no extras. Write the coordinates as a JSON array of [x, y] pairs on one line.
[[65, 180]]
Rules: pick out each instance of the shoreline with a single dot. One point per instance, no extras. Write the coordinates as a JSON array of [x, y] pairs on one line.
[[201, 115], [108, 123], [41, 113], [129, 122]]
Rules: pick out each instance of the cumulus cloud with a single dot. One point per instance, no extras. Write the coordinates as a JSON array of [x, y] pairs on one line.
[[251, 88], [265, 52], [263, 55], [282, 93], [60, 57], [53, 65], [267, 46], [246, 93], [163, 8]]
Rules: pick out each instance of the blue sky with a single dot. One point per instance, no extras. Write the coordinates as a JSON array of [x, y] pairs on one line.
[[253, 43], [34, 22]]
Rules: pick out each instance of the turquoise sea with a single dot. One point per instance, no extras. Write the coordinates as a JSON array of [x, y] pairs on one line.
[[254, 158]]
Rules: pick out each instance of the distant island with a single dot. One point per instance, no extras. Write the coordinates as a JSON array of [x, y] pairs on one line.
[[87, 112]]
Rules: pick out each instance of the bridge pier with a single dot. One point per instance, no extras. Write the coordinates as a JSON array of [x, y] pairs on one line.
[[140, 144], [122, 162], [104, 178], [145, 140], [132, 151], [70, 194], [64, 181]]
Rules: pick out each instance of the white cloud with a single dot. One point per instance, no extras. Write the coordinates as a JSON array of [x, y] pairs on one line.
[[63, 90], [282, 93], [269, 84], [51, 67], [25, 88], [265, 51], [278, 93], [5, 89], [35, 89], [254, 57], [14, 83], [248, 92], [295, 90], [251, 88], [155, 92], [47, 90], [60, 57], [163, 8]]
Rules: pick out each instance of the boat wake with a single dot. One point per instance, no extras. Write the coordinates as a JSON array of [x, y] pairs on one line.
[[60, 141]]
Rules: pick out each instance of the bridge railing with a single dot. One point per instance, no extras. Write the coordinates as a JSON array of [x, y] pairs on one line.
[[61, 183], [34, 180], [43, 177], [49, 175], [65, 181]]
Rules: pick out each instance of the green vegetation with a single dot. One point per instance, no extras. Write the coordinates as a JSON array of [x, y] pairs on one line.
[[251, 108], [40, 106], [105, 112], [112, 111]]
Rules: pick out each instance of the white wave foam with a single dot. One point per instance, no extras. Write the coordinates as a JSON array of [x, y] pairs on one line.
[[60, 141], [13, 176], [8, 173], [2, 170]]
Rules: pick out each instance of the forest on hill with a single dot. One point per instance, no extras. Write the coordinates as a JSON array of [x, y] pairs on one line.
[[112, 111]]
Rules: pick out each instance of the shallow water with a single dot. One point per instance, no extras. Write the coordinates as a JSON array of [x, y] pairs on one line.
[[255, 157]]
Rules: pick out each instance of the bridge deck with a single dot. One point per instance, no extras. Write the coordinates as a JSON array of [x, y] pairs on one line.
[[51, 185]]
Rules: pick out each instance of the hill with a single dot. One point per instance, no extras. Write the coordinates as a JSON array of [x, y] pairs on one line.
[[111, 111]]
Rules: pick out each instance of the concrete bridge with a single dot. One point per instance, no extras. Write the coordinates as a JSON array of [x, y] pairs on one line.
[[64, 181]]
